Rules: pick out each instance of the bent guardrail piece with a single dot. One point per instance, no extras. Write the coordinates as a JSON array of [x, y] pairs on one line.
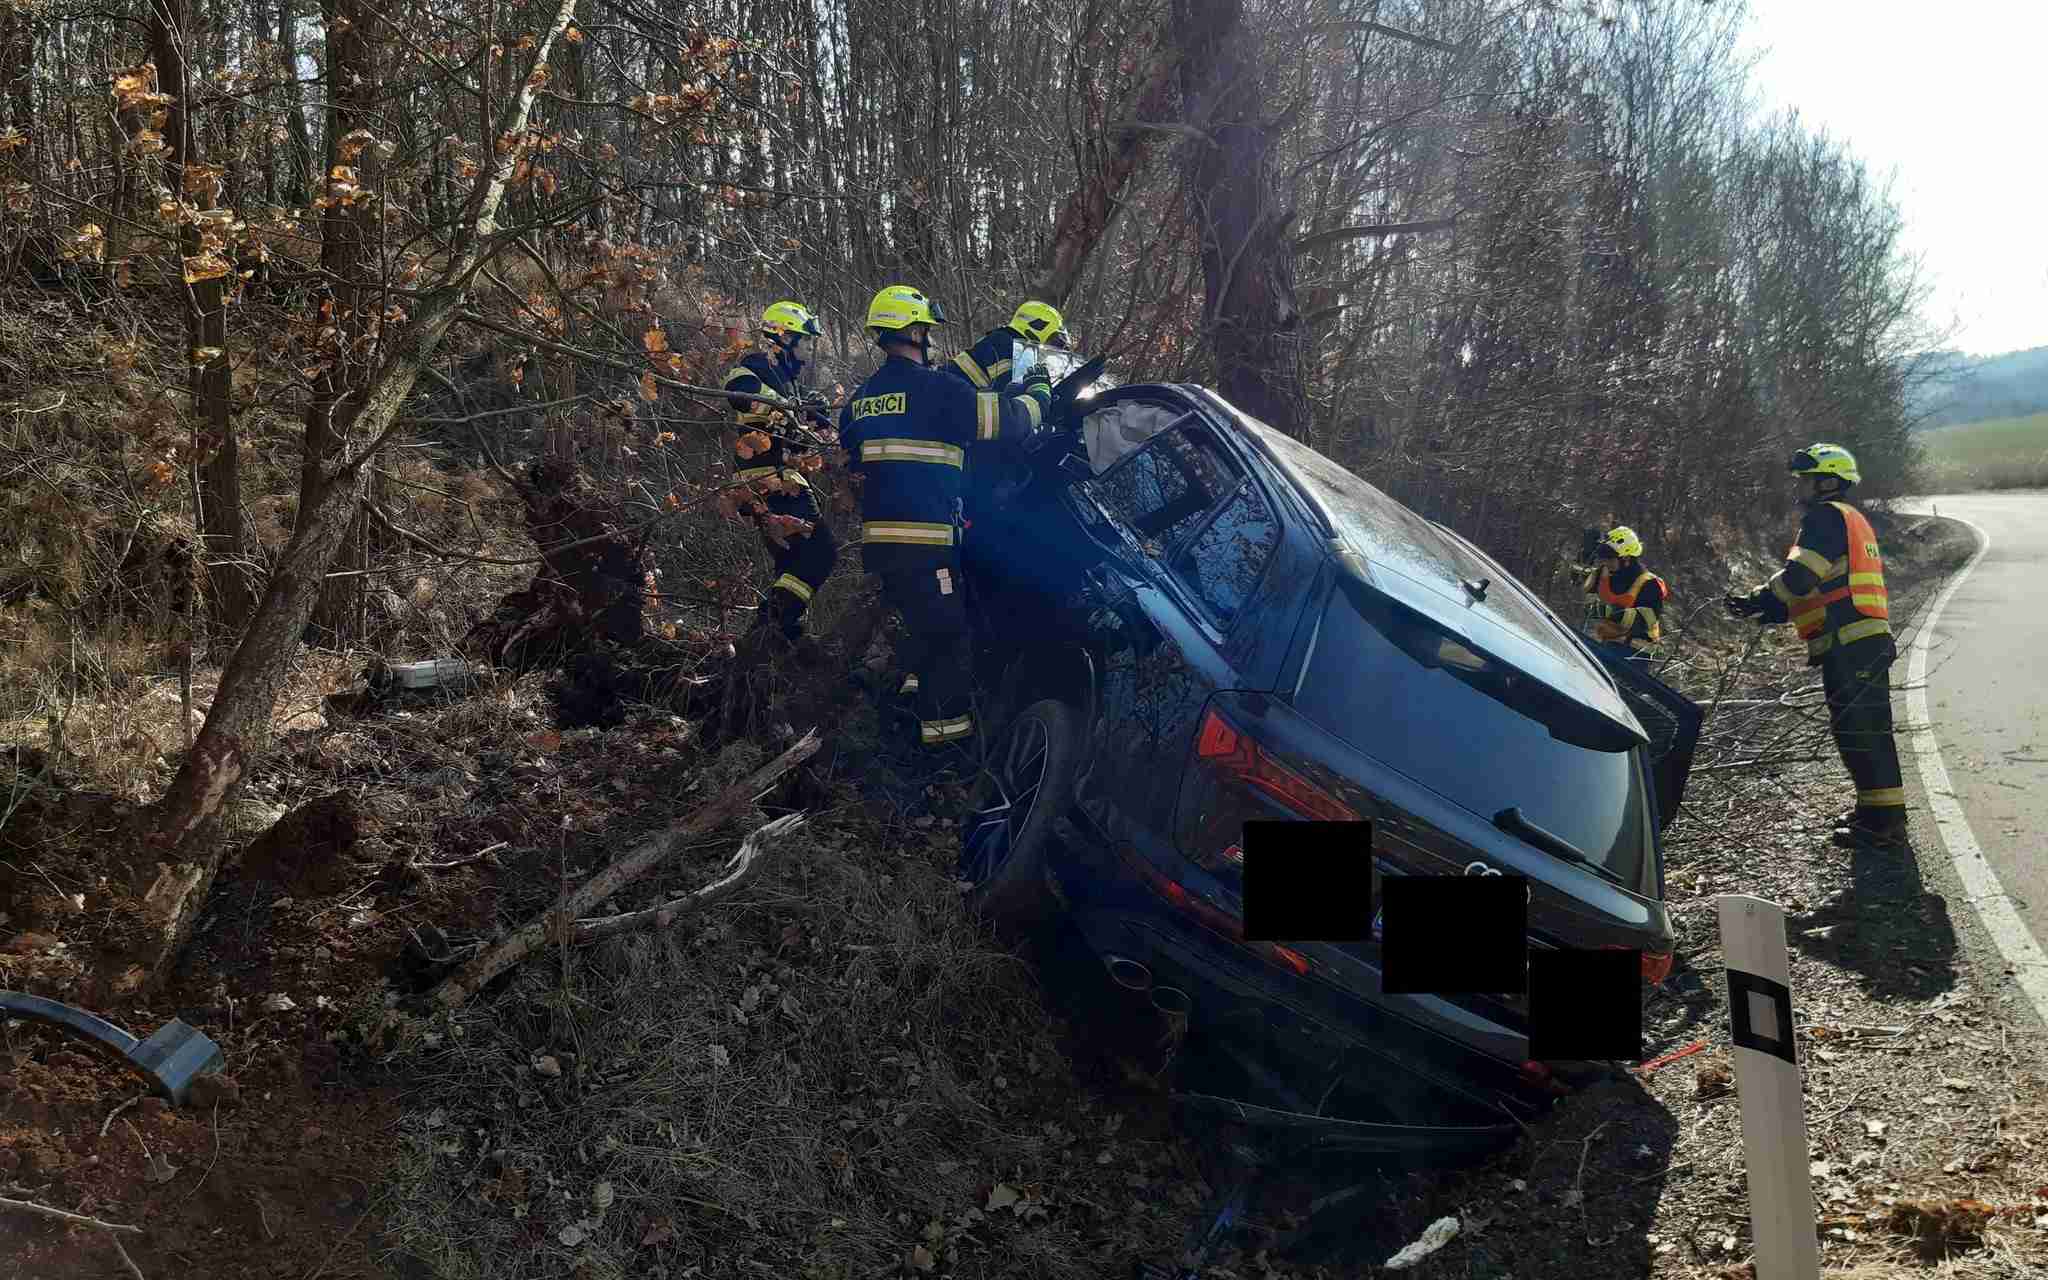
[[170, 1059]]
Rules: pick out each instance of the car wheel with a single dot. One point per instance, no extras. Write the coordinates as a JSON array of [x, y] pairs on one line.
[[1028, 780]]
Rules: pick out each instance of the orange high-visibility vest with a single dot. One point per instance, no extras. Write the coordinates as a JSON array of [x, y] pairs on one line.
[[1850, 602], [1627, 600]]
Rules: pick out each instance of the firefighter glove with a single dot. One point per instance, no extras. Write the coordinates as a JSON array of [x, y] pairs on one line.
[[1743, 606]]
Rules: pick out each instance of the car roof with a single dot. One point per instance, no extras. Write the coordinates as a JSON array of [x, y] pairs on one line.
[[1424, 567]]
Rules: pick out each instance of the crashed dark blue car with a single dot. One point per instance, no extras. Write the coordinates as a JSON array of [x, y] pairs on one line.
[[1184, 620]]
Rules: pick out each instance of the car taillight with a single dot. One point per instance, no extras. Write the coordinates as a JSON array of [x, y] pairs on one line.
[[1656, 964], [1214, 918], [1537, 1076], [1230, 751]]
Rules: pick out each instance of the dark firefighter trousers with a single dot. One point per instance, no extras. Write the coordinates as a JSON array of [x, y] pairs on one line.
[[922, 584], [1857, 678], [801, 567]]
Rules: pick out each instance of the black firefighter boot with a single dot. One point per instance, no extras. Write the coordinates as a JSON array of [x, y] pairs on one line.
[[778, 627], [1882, 830]]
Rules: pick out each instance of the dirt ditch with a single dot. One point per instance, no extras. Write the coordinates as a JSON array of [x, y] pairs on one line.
[[833, 1075]]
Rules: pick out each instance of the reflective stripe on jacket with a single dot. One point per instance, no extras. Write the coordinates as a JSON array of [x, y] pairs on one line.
[[1849, 602], [1639, 624], [761, 374], [906, 432], [986, 364]]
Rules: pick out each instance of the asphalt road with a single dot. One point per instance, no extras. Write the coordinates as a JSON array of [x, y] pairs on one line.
[[1987, 694]]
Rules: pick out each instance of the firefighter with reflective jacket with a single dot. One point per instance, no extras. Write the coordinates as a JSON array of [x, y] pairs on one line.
[[906, 433], [1624, 598], [986, 364], [802, 563], [1832, 589]]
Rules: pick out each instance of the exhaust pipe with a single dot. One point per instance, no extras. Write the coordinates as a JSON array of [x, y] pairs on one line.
[[1128, 973], [1171, 1000]]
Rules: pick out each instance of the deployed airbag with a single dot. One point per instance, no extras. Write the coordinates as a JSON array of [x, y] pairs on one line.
[[1112, 432]]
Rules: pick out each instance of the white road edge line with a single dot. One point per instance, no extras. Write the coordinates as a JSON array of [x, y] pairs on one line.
[[1980, 882]]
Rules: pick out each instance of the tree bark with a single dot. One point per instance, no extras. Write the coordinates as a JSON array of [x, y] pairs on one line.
[[560, 921], [181, 827], [295, 189], [220, 484], [348, 255], [1107, 164], [17, 67], [1246, 251]]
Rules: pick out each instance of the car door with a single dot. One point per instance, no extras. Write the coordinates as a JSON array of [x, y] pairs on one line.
[[1195, 536]]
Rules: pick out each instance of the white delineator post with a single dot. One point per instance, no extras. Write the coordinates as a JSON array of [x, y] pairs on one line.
[[1781, 1217]]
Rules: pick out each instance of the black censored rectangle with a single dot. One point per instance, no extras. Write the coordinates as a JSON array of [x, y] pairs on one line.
[[1454, 935], [1307, 881], [1586, 1006]]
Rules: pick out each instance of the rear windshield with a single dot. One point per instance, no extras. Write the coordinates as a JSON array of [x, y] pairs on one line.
[[1392, 537], [1469, 747]]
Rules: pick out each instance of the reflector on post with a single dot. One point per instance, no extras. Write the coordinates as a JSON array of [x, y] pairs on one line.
[[1781, 1218]]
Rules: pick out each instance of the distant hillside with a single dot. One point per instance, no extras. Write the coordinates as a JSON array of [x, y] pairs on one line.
[[1956, 388]]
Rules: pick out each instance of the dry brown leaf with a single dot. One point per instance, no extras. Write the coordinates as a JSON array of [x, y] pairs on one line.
[[1942, 1222], [203, 267], [648, 390]]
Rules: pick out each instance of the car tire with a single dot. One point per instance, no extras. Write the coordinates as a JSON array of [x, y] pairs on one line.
[[1037, 757]]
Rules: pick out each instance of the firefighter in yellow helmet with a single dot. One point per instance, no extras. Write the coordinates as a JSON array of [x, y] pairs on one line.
[[1832, 589], [906, 432], [1627, 600], [768, 404], [990, 468], [986, 364]]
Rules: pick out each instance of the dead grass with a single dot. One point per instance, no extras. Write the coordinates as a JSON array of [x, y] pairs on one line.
[[830, 1074]]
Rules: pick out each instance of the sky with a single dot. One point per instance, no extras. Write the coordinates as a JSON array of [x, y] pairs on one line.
[[1948, 96]]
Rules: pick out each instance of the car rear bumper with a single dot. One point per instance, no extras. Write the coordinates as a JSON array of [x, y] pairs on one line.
[[1301, 1046]]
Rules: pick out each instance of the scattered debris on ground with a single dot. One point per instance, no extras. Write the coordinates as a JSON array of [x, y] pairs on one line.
[[833, 1073]]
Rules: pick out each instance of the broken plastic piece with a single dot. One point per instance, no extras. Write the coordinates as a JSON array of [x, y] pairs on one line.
[[170, 1059]]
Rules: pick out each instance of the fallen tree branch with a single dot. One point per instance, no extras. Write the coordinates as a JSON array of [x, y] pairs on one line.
[[114, 1230], [737, 869], [561, 918], [30, 1206]]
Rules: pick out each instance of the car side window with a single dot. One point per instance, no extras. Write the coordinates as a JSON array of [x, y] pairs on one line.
[[1163, 491], [1223, 563]]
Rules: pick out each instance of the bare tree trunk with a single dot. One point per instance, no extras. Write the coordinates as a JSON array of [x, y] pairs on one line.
[[347, 253], [1107, 165], [181, 827], [220, 489], [17, 67], [295, 191], [1247, 256]]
